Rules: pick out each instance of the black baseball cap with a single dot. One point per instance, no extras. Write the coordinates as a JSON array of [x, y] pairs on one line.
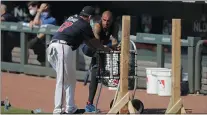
[[87, 11]]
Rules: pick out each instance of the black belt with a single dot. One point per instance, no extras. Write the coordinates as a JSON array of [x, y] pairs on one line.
[[59, 41]]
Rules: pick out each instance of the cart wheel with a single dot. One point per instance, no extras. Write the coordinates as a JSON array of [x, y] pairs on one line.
[[138, 105], [111, 103]]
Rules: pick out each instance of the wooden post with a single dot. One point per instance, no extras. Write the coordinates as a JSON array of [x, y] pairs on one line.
[[175, 105], [123, 93], [124, 62]]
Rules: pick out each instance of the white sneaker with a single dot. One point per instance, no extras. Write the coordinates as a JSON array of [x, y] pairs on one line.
[[56, 111], [72, 110]]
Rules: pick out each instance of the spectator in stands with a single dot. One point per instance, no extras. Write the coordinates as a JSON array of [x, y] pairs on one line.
[[5, 16], [42, 16], [33, 7], [9, 39], [166, 28]]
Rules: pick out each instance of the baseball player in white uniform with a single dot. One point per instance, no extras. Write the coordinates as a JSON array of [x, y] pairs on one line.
[[71, 34]]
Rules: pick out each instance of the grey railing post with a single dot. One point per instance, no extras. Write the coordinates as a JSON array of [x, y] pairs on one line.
[[2, 46], [24, 50], [198, 60], [160, 56], [191, 63], [77, 58], [48, 37]]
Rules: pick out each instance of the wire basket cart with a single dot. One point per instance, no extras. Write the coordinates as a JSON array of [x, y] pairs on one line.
[[108, 72]]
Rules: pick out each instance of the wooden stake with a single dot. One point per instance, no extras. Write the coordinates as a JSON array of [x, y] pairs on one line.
[[120, 102], [124, 61], [131, 108], [175, 104]]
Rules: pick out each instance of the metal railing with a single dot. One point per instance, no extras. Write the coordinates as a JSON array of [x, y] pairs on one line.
[[23, 66], [159, 40], [198, 67]]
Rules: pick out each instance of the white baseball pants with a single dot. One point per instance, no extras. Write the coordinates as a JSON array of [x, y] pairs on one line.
[[60, 56]]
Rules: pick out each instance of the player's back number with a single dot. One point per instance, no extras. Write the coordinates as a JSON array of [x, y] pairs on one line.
[[65, 25]]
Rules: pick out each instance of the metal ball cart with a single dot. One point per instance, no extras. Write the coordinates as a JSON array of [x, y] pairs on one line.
[[108, 65]]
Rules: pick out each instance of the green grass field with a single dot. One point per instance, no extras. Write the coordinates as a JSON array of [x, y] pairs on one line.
[[13, 110]]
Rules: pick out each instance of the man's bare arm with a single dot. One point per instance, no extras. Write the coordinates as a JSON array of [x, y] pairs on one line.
[[37, 20], [41, 35], [97, 30], [2, 19], [94, 43]]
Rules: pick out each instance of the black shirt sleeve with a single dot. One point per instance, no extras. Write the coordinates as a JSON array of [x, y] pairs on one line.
[[87, 32], [8, 17]]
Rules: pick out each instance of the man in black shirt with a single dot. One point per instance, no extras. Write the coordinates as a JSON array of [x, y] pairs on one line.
[[9, 39], [5, 16], [106, 30], [73, 32]]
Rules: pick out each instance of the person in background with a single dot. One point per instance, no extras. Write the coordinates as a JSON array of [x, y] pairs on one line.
[[33, 7], [96, 18], [106, 30], [9, 39], [166, 30], [42, 16], [146, 23], [6, 16]]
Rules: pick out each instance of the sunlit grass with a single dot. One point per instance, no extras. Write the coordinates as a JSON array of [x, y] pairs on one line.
[[13, 110]]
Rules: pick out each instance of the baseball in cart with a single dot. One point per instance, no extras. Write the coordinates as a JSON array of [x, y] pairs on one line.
[[108, 73]]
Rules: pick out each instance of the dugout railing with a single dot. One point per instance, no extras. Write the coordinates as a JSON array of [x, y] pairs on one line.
[[200, 69], [148, 59]]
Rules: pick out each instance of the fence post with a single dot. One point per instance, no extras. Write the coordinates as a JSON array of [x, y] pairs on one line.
[[160, 56], [48, 37], [191, 63], [24, 50], [198, 60], [77, 59], [2, 45]]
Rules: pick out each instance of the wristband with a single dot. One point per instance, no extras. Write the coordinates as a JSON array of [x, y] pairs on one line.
[[109, 44]]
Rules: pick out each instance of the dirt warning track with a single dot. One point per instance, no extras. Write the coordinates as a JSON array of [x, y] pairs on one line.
[[30, 92]]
